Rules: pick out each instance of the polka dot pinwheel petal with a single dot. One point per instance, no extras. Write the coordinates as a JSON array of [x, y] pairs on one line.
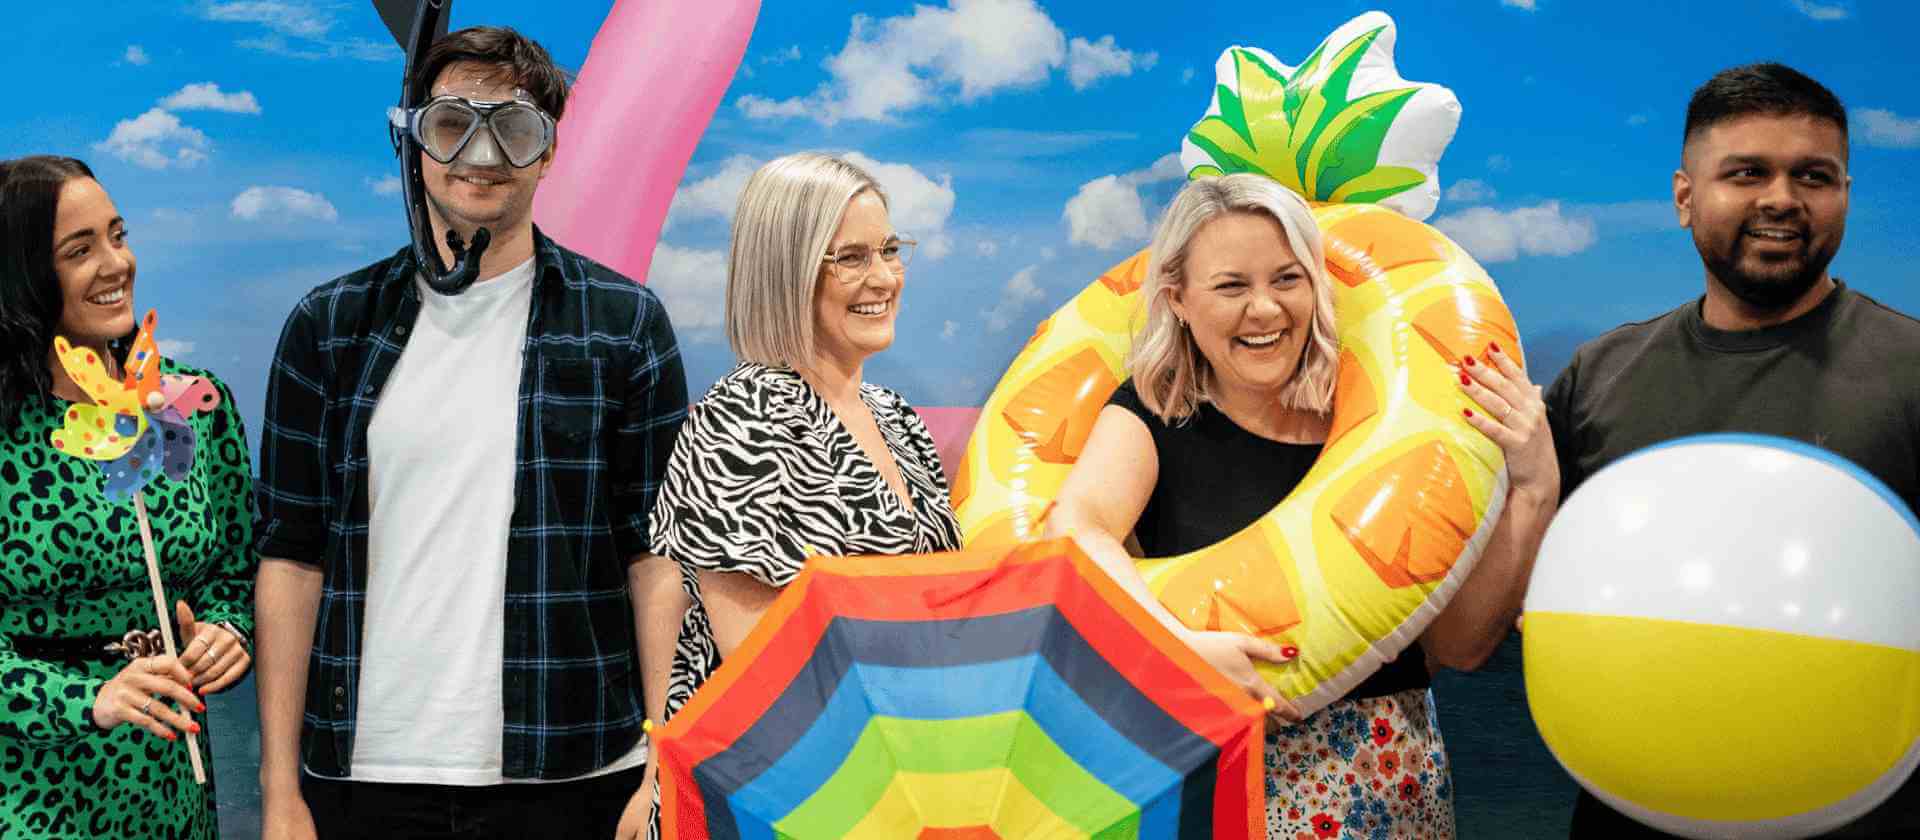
[[1009, 693]]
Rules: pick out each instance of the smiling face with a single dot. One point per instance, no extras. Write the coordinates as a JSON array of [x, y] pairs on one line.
[[93, 264], [480, 188], [854, 310], [1248, 303], [1766, 198]]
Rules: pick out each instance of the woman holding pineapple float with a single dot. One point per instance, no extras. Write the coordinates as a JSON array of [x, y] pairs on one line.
[[1319, 393]]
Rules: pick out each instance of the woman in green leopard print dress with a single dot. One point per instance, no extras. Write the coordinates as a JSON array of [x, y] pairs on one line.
[[88, 739]]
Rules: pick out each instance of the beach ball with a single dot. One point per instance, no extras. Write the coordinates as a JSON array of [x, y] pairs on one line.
[[1723, 638]]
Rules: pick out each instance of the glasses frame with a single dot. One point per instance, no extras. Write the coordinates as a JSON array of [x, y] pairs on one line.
[[409, 120], [849, 275]]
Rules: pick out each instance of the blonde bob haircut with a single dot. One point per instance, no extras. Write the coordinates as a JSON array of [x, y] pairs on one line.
[[1168, 369], [782, 227]]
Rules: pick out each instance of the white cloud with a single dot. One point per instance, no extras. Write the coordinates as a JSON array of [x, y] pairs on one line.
[[693, 285], [1820, 11], [310, 23], [949, 329], [917, 205], [1108, 211], [301, 20], [1528, 5], [1014, 297], [174, 348], [155, 140], [987, 248], [791, 53], [1499, 163], [1047, 252], [1186, 75], [136, 55], [389, 185], [206, 96], [968, 50], [282, 204], [1638, 119], [1470, 191], [1494, 236], [715, 195], [1091, 61], [1887, 129]]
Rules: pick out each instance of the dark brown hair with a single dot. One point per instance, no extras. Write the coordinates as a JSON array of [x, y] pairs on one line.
[[30, 299], [1768, 88], [515, 57]]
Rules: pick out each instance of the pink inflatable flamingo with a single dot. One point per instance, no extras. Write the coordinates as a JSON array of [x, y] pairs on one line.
[[652, 80]]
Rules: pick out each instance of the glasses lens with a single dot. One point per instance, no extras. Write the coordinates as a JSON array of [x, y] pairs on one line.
[[522, 133], [444, 128], [898, 254], [851, 259]]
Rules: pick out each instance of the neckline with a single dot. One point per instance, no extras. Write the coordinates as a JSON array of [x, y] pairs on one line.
[[1764, 338]]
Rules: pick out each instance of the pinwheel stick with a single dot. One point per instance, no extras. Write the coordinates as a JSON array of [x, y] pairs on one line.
[[166, 624]]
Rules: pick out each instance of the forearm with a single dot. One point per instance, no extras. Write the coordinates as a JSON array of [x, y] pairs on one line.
[[659, 606], [1483, 610], [287, 604], [1107, 551]]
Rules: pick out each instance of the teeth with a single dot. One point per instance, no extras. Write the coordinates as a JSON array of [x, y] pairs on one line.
[[1774, 234], [110, 298], [1262, 340], [869, 308]]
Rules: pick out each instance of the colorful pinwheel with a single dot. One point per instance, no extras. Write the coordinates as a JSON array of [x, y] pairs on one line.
[[135, 429], [1014, 693]]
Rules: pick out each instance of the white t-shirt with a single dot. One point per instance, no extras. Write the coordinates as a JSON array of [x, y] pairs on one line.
[[443, 447]]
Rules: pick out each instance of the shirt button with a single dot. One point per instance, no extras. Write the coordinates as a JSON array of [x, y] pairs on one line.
[[339, 691], [340, 707], [400, 330]]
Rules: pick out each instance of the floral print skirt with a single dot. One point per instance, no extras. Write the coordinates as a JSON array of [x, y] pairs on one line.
[[1371, 769]]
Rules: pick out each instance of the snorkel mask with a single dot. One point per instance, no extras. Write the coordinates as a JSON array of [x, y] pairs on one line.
[[425, 21]]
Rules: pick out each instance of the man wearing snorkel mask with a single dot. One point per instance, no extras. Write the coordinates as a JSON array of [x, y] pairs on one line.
[[456, 472]]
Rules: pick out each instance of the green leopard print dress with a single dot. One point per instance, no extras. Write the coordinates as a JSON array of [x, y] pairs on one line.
[[71, 567]]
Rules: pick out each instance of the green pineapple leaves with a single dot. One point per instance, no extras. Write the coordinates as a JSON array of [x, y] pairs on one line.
[[1323, 129]]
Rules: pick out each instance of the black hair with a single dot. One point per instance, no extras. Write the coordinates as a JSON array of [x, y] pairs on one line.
[[1766, 88], [30, 298], [520, 60]]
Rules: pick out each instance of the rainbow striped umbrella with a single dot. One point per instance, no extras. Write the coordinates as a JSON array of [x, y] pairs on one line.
[[1006, 693]]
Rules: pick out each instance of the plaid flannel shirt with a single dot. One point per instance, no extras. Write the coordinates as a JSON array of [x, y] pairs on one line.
[[602, 395]]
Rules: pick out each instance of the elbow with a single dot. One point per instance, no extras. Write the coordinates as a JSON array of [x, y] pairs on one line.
[[1463, 649], [1460, 657]]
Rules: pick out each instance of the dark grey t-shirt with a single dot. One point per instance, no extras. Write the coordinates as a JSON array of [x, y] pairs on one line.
[[1844, 377]]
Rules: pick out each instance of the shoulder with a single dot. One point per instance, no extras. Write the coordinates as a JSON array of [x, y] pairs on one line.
[[1616, 346], [751, 393], [350, 294], [1896, 325], [610, 293]]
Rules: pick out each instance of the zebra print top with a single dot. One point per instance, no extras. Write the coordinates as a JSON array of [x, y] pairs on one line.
[[763, 471]]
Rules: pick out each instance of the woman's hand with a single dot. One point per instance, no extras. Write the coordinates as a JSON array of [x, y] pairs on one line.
[[1514, 416], [211, 653], [138, 695], [1232, 654], [639, 810]]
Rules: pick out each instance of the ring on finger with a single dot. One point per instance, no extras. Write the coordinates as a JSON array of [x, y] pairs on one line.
[[201, 638], [152, 661], [149, 706]]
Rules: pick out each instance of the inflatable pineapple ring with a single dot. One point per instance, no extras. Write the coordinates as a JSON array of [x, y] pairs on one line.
[[1353, 565]]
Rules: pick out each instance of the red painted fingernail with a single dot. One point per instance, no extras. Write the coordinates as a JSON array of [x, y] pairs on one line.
[[1289, 651], [193, 727], [170, 736], [1467, 411], [199, 707], [1469, 361], [1465, 379], [1493, 347]]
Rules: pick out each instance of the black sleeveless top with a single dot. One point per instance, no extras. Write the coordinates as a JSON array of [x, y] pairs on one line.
[[1217, 478]]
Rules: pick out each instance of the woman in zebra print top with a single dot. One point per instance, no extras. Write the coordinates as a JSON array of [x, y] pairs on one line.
[[793, 453]]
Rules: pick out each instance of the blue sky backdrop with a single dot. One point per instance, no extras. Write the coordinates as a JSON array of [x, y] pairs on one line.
[[245, 142], [1024, 143]]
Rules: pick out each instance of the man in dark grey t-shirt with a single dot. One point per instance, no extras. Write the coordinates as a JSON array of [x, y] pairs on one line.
[[1776, 345]]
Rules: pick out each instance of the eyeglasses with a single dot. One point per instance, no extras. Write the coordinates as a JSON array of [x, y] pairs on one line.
[[446, 124], [854, 260]]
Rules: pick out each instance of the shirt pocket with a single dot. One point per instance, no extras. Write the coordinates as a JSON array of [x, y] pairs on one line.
[[571, 404]]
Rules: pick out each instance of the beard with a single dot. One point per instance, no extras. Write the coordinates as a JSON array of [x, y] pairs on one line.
[[1767, 286]]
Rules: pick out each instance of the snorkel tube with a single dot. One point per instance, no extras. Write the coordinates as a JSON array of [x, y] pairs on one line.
[[425, 22]]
